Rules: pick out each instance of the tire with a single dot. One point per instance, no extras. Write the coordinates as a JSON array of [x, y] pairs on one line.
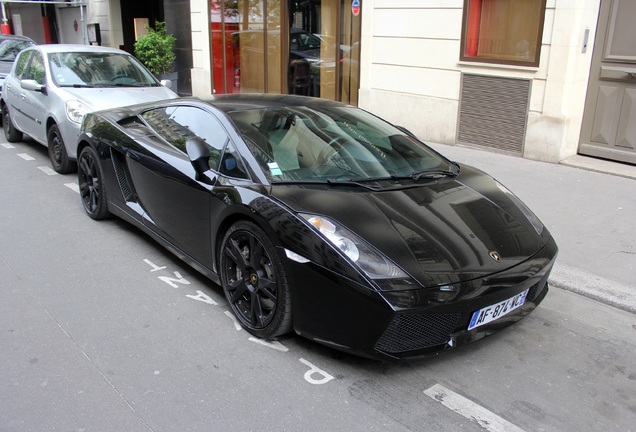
[[254, 281], [91, 185], [57, 152], [10, 132]]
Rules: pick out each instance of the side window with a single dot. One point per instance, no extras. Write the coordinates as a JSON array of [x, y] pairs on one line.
[[21, 63], [36, 69], [231, 164], [178, 124]]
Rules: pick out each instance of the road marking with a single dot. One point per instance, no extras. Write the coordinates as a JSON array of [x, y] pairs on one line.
[[231, 316], [72, 186], [470, 410], [26, 156], [270, 344], [7, 146], [47, 170], [313, 370]]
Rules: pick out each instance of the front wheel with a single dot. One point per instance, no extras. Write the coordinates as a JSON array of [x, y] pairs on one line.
[[57, 152], [254, 281], [10, 132], [91, 184]]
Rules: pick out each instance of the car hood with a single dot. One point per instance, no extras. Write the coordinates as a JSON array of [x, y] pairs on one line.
[[5, 67], [443, 232], [110, 97]]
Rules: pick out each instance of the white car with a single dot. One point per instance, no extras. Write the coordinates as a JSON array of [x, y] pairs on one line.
[[51, 87]]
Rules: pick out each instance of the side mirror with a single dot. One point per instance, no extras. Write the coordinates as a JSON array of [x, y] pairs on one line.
[[166, 83], [33, 85], [199, 154]]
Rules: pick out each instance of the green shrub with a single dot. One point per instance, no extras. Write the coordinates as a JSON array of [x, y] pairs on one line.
[[156, 49]]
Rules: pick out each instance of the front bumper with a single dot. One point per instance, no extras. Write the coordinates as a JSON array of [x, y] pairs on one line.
[[340, 313]]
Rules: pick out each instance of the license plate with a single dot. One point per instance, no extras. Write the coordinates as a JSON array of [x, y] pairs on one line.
[[492, 312]]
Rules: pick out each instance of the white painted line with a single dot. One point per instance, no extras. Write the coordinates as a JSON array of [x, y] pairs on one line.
[[47, 170], [231, 316], [26, 156], [313, 370], [470, 410], [270, 344], [72, 186], [7, 146]]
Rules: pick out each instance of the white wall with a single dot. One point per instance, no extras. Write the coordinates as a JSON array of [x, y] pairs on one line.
[[201, 49], [411, 70]]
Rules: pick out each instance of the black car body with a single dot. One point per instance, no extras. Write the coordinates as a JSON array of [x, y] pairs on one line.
[[373, 244]]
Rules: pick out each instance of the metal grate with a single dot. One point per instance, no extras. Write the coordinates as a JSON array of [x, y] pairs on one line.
[[417, 331], [493, 112]]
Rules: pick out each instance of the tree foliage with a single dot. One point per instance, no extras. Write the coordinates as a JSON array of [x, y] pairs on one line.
[[156, 49]]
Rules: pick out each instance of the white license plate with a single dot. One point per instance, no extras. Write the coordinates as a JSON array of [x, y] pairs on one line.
[[492, 312]]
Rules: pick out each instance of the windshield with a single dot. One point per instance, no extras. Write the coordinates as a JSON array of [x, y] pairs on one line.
[[334, 144], [9, 48], [95, 69]]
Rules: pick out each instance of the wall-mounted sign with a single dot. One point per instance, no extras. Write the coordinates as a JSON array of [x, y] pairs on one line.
[[355, 7]]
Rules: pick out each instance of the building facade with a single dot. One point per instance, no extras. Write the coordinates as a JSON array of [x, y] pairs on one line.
[[542, 79], [533, 78]]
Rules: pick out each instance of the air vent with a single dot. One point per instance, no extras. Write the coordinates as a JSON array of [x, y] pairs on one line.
[[493, 112]]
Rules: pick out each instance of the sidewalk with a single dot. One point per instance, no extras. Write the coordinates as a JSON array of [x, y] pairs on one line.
[[588, 205]]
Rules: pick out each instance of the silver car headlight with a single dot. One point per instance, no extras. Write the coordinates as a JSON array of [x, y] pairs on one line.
[[75, 111], [369, 260]]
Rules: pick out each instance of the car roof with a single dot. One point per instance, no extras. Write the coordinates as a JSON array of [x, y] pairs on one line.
[[16, 37], [245, 101], [68, 48]]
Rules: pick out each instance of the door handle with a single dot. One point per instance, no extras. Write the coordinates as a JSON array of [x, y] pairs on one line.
[[631, 75]]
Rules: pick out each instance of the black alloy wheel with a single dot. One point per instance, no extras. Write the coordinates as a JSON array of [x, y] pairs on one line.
[[10, 132], [254, 281], [57, 152], [91, 186]]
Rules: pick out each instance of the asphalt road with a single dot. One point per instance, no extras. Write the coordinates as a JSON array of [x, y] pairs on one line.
[[103, 330]]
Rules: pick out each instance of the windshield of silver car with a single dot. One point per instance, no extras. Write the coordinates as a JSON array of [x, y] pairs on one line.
[[92, 69]]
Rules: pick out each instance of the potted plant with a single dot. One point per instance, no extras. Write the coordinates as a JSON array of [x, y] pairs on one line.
[[156, 49]]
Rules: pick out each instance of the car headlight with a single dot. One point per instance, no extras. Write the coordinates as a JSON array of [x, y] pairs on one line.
[[369, 260], [75, 111], [532, 218]]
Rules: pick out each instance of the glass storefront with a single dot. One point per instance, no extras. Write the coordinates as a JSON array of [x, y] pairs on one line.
[[308, 47]]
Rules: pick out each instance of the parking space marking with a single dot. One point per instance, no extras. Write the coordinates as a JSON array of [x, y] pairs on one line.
[[26, 156], [47, 170], [270, 344], [72, 186], [469, 409], [7, 146], [231, 316]]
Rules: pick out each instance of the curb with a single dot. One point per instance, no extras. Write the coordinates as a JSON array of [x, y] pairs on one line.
[[596, 287]]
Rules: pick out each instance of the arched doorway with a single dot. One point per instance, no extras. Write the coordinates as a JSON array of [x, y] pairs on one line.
[[308, 47]]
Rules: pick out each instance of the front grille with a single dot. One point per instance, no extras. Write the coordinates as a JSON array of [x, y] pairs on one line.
[[537, 289], [417, 331]]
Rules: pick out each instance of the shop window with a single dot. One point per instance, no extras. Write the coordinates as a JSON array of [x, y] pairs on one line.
[[503, 31]]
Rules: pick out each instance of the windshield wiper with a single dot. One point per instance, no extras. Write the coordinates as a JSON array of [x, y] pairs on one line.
[[328, 182], [432, 173], [77, 85]]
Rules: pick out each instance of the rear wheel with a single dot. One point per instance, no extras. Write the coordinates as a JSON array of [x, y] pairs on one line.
[[91, 185], [254, 281], [10, 132], [57, 152]]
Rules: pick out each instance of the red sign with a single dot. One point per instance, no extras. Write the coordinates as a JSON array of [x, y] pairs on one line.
[[355, 7]]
